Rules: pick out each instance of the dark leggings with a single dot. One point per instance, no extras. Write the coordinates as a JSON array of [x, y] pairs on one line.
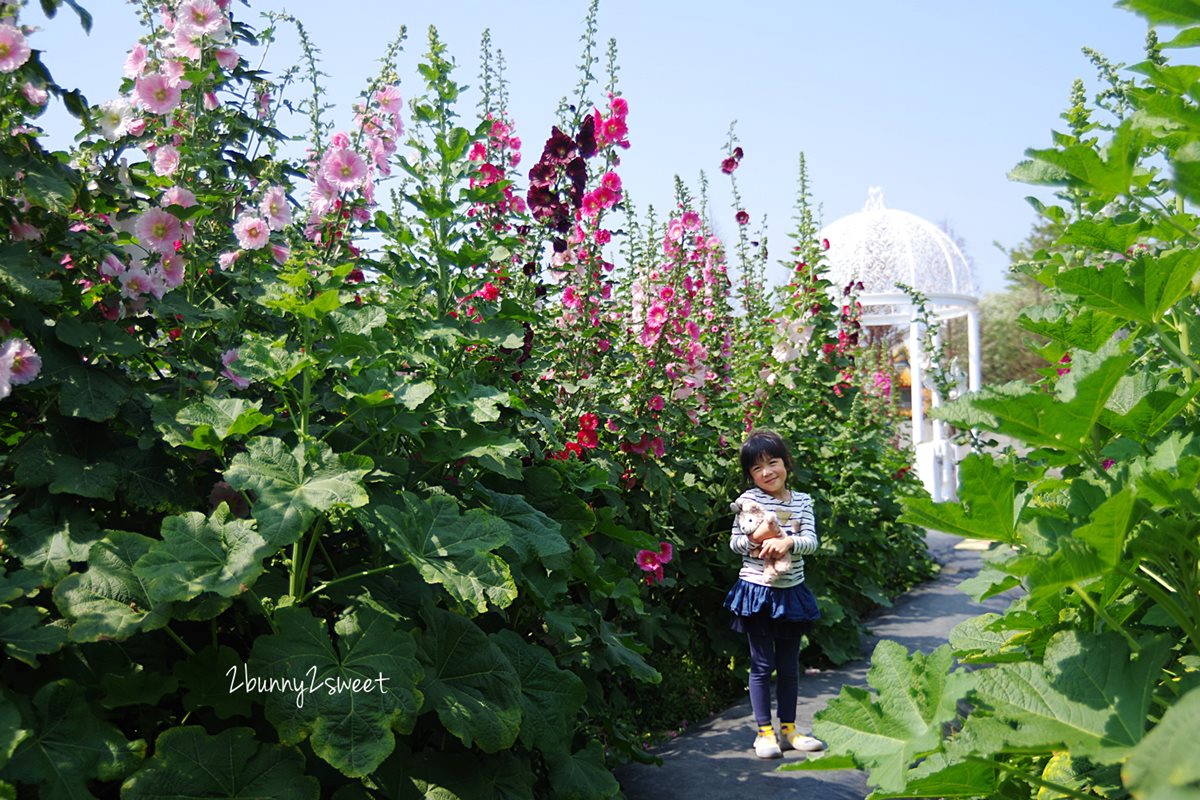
[[770, 654]]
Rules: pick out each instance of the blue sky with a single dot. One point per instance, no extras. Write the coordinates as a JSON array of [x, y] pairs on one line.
[[932, 100]]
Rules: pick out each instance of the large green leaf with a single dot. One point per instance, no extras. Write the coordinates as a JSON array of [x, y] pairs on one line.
[[939, 779], [1109, 525], [270, 362], [91, 393], [20, 274], [1089, 696], [68, 746], [205, 680], [1143, 293], [48, 539], [1087, 329], [212, 420], [550, 697], [989, 507], [188, 763], [583, 775], [534, 534], [470, 776], [1164, 765], [1107, 174], [448, 548], [25, 634], [1143, 404], [291, 487], [886, 732], [347, 695], [11, 732], [469, 682], [1177, 13], [110, 601], [198, 554]]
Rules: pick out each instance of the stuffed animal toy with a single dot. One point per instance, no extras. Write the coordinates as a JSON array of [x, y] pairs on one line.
[[760, 523]]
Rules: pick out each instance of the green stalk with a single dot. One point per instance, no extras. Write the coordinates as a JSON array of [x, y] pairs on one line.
[[363, 574], [1174, 349], [1134, 647], [1036, 781], [1173, 609], [175, 636]]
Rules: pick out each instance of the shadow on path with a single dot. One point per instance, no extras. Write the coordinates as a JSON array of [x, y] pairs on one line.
[[715, 760]]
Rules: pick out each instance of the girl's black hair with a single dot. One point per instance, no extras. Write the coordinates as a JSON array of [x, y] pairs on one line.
[[764, 443]]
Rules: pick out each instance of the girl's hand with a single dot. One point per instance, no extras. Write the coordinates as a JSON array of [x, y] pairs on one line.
[[777, 548], [768, 530]]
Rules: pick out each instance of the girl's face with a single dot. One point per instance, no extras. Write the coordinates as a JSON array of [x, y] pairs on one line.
[[770, 475]]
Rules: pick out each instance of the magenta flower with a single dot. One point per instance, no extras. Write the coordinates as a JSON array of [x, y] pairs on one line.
[[156, 93], [252, 232], [729, 165], [158, 230], [651, 562], [343, 168], [657, 403], [1107, 464], [742, 217], [1066, 359], [14, 50]]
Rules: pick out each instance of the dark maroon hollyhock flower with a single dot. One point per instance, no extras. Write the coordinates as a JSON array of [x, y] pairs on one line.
[[587, 137], [560, 148], [577, 174], [737, 153], [560, 244], [729, 165], [742, 218], [542, 174]]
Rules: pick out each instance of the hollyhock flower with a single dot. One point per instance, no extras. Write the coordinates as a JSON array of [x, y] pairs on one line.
[[656, 316], [227, 57], [114, 119], [883, 384], [135, 62], [571, 298], [135, 282], [280, 254], [24, 232], [490, 291], [588, 421], [275, 208], [1106, 465], [228, 258], [188, 43], [172, 271], [178, 196], [657, 403], [389, 99], [690, 221], [665, 552], [20, 361], [35, 95], [14, 50], [1066, 359], [252, 232], [166, 160], [343, 168], [156, 93], [560, 148], [204, 17], [227, 358], [612, 182], [742, 218], [158, 230], [111, 266], [588, 439], [728, 165], [666, 293]]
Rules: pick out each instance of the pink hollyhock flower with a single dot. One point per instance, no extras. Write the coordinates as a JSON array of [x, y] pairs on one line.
[[389, 99], [1066, 359], [228, 258], [657, 447], [657, 403], [252, 232], [14, 50], [275, 208], [158, 230], [227, 358], [612, 182], [24, 232], [343, 168], [665, 552], [156, 93], [21, 361], [656, 316], [490, 291], [172, 271], [111, 266], [137, 126], [35, 95], [188, 43], [690, 221], [227, 57], [588, 439], [666, 293], [135, 282], [178, 196], [135, 62], [166, 160], [280, 254], [588, 421], [571, 299], [210, 101], [1107, 464], [647, 560], [204, 17]]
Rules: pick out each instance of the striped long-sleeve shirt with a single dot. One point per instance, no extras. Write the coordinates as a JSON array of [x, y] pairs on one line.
[[795, 519]]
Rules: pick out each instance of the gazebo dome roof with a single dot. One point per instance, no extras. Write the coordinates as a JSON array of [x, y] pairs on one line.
[[883, 247]]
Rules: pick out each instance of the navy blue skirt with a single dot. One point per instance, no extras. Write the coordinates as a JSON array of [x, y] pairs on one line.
[[767, 611]]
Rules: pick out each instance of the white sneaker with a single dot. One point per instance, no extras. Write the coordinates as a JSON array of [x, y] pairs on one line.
[[800, 741], [766, 746]]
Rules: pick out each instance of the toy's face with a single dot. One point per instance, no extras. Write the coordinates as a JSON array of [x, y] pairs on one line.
[[751, 517]]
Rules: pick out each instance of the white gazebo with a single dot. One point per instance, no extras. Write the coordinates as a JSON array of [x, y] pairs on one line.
[[884, 248]]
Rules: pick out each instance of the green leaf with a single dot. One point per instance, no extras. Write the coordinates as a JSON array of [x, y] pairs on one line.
[[1178, 13], [262, 360], [469, 682], [583, 775], [109, 601], [1143, 404], [91, 393], [1086, 329], [69, 746], [1110, 525], [534, 535], [20, 274], [1189, 37], [1090, 697], [623, 649], [1163, 766], [292, 487], [220, 418], [412, 395], [979, 640], [1108, 174], [347, 695], [205, 681], [448, 548], [550, 697], [469, 776], [11, 732], [47, 186], [18, 583], [188, 763], [936, 777], [26, 636], [989, 507], [1103, 234], [48, 539], [1142, 293], [915, 696], [197, 554]]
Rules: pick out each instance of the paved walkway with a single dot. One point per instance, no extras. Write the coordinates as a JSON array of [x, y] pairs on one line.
[[714, 760]]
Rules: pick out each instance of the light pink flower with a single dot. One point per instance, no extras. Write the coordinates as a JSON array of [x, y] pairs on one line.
[[166, 160], [188, 43], [280, 253], [178, 196], [156, 94], [210, 101], [228, 258], [227, 57], [274, 206], [204, 17], [135, 62], [252, 232], [135, 282], [21, 361], [35, 95], [158, 230], [14, 50], [389, 99], [111, 266], [172, 271], [24, 232], [343, 168]]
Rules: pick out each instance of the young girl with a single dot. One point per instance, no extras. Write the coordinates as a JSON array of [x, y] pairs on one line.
[[774, 616]]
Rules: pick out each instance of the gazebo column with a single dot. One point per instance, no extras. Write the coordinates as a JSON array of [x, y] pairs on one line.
[[974, 350], [915, 355]]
